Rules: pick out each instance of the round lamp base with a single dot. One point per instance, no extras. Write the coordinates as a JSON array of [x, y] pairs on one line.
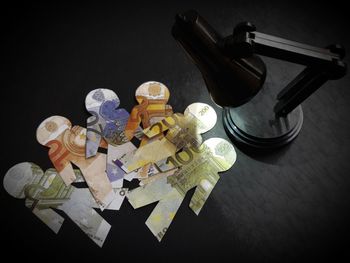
[[255, 124]]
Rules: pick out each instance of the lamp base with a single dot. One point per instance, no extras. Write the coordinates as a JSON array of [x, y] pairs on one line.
[[255, 125]]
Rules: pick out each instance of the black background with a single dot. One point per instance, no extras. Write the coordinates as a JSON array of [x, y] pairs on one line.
[[286, 206]]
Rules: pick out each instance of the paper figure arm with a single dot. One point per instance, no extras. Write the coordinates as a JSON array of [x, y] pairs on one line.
[[93, 135], [133, 123]]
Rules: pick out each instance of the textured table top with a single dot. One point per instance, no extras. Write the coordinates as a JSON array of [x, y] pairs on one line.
[[288, 205]]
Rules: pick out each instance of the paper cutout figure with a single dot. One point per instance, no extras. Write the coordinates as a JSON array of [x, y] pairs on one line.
[[152, 97], [44, 191], [183, 130], [199, 168], [108, 122], [67, 146]]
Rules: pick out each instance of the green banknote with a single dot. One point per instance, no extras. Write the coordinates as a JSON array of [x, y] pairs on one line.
[[44, 191]]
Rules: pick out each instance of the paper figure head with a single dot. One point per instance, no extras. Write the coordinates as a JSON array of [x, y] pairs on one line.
[[51, 128], [222, 151], [97, 97], [152, 90], [205, 116], [20, 175]]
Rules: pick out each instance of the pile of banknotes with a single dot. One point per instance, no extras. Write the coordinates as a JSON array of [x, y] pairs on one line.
[[171, 159]]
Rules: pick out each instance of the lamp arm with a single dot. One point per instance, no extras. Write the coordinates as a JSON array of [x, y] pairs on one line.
[[322, 64]]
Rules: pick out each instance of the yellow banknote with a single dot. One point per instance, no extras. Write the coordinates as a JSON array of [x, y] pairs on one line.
[[196, 168]]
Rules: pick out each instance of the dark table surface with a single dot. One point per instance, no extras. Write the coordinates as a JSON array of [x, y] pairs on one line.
[[285, 206]]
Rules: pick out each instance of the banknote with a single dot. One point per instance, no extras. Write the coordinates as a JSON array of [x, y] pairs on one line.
[[182, 130], [176, 161], [44, 191], [120, 194], [96, 124], [66, 147], [15, 180], [89, 221], [198, 118], [145, 171], [117, 174], [149, 153], [152, 97], [108, 123], [157, 176], [197, 168]]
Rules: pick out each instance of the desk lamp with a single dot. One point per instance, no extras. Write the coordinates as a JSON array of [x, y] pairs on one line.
[[234, 74]]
